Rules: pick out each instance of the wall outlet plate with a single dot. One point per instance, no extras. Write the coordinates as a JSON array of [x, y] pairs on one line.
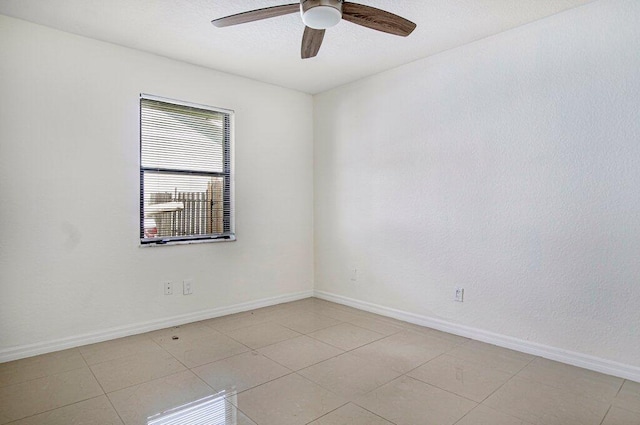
[[353, 275], [168, 288], [459, 295], [187, 287]]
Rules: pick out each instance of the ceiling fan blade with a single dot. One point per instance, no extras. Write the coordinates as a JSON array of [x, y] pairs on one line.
[[311, 42], [377, 19], [256, 15]]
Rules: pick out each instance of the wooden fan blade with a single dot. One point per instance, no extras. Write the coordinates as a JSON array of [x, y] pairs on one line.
[[311, 42], [256, 15], [377, 19]]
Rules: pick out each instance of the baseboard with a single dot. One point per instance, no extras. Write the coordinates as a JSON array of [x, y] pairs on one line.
[[19, 352], [553, 353]]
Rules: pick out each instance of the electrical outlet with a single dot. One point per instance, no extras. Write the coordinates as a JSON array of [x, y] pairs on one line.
[[168, 288], [187, 287], [459, 295], [354, 275]]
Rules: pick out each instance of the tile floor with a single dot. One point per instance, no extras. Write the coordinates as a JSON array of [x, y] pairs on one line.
[[307, 362]]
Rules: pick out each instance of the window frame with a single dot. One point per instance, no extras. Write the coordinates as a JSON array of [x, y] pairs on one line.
[[227, 174]]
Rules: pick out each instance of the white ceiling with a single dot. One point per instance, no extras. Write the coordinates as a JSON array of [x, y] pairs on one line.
[[269, 50]]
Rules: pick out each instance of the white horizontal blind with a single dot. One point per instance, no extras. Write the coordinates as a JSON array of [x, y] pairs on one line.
[[185, 172], [210, 410]]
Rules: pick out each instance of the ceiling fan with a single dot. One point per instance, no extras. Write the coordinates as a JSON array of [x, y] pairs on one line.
[[318, 15]]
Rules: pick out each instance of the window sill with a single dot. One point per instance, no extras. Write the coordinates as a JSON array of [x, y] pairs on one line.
[[231, 238]]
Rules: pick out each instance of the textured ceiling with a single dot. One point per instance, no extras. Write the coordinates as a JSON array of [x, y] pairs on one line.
[[269, 50]]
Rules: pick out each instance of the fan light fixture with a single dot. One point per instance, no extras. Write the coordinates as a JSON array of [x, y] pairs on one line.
[[318, 15], [321, 17]]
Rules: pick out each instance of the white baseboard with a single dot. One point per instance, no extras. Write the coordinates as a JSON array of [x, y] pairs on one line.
[[569, 357], [23, 351]]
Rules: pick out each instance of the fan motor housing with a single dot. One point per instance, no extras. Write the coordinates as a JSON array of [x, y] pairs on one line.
[[321, 14]]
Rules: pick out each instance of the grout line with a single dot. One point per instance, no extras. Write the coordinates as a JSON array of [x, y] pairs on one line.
[[150, 380], [115, 341], [350, 349], [175, 357], [587, 395], [46, 374], [114, 408], [620, 389], [102, 388], [328, 413], [374, 413], [441, 389], [626, 409], [241, 411], [509, 413], [259, 385], [305, 367], [605, 415], [466, 414], [96, 378], [315, 330], [56, 408], [424, 363]]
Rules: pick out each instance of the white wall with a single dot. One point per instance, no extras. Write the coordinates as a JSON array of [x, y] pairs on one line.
[[510, 167], [70, 261]]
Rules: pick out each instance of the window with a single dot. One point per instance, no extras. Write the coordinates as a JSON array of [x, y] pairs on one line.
[[186, 176]]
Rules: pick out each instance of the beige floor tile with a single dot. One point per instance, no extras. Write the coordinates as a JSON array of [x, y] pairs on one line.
[[259, 336], [190, 330], [544, 405], [348, 309], [300, 352], [306, 322], [348, 376], [145, 376], [483, 415], [309, 306], [96, 411], [315, 304], [439, 334], [492, 356], [574, 379], [390, 320], [290, 400], [278, 315], [187, 337], [117, 348], [379, 326], [132, 370], [618, 416], [467, 379], [343, 315], [241, 372], [36, 367], [274, 308], [50, 392], [404, 351], [346, 336], [231, 323], [310, 301], [136, 404], [350, 414], [629, 396], [193, 352], [407, 401]]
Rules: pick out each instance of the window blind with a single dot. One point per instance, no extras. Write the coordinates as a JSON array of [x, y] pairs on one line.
[[185, 172]]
